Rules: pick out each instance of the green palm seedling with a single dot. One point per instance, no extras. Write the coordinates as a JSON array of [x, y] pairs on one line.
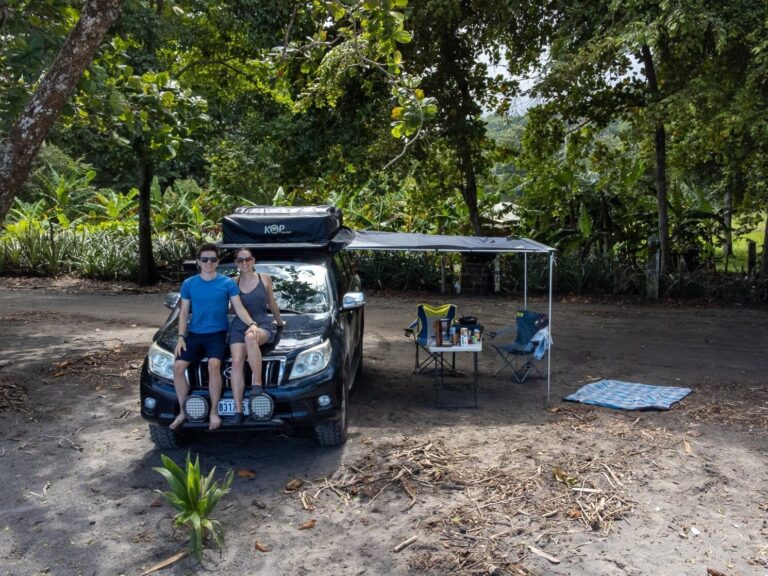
[[194, 496]]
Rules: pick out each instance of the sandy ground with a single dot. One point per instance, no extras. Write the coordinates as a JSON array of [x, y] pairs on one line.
[[513, 487]]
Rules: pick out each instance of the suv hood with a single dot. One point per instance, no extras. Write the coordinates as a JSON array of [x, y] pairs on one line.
[[301, 331]]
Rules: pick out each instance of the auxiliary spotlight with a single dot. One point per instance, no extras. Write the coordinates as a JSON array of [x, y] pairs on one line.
[[196, 408], [262, 407]]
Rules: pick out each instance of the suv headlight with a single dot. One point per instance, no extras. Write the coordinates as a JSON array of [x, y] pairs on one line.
[[161, 362], [311, 361]]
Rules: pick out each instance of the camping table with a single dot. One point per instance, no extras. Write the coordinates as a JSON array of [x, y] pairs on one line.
[[438, 351]]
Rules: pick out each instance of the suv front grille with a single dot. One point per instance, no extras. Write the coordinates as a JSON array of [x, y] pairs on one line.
[[272, 373]]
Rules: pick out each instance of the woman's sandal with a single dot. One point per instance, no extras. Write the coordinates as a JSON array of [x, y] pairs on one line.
[[257, 390], [237, 418]]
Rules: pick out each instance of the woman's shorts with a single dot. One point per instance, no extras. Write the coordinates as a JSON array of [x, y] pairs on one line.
[[238, 329]]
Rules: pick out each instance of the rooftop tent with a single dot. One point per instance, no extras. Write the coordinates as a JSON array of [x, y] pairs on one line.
[[409, 241], [285, 227]]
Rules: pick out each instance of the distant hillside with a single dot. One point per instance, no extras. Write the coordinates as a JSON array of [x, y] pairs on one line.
[[505, 130]]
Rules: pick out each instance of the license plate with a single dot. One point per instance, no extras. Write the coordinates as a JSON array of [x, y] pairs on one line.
[[227, 407]]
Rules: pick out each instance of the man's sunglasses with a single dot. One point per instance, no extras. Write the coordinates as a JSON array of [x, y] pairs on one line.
[[243, 260], [205, 259]]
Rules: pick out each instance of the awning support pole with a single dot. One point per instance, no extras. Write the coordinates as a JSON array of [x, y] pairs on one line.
[[525, 281], [549, 314], [442, 274]]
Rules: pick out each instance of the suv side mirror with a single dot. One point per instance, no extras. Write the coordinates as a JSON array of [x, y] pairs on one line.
[[353, 301], [172, 299]]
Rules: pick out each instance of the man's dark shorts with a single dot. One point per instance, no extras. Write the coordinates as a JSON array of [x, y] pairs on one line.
[[199, 346]]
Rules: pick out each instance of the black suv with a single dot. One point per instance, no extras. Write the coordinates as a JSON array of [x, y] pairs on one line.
[[309, 369]]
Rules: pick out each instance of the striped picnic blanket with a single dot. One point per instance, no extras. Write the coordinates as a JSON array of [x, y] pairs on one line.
[[628, 395]]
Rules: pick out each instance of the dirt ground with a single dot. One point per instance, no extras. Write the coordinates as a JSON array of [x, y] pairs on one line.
[[515, 486]]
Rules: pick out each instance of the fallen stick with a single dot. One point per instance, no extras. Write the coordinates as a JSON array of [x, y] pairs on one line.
[[165, 563], [615, 478], [540, 552], [405, 543]]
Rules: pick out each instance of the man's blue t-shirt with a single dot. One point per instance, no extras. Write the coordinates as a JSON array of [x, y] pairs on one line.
[[209, 302]]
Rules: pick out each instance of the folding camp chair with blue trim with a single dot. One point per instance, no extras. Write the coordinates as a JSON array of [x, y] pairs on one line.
[[422, 332], [531, 341]]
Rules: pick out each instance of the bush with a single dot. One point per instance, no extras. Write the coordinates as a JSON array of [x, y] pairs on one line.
[[399, 270], [107, 254], [38, 250], [170, 251]]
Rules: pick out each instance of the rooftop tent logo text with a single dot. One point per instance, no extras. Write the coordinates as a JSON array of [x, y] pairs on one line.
[[274, 229]]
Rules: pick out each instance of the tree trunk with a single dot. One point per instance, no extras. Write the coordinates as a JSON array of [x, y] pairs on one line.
[[469, 189], [661, 162], [148, 274], [764, 257], [28, 132], [727, 219], [466, 162], [462, 135]]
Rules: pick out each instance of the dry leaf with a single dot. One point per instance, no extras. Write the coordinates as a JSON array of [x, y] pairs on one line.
[[293, 485], [554, 410], [563, 476], [156, 503], [245, 473], [261, 547], [308, 525], [687, 446]]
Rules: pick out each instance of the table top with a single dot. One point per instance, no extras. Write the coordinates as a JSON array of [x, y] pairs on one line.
[[477, 347]]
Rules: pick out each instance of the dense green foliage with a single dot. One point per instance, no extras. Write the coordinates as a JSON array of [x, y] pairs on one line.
[[648, 133]]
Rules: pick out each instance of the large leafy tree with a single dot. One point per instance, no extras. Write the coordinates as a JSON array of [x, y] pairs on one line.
[[140, 117], [27, 133], [646, 62], [138, 97], [453, 43]]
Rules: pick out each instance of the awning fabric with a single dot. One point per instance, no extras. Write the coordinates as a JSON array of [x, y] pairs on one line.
[[365, 240]]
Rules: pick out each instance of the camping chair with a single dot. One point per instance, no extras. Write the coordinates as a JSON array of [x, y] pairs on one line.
[[422, 332], [531, 342]]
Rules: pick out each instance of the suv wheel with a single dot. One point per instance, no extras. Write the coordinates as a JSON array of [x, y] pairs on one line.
[[334, 433], [164, 437]]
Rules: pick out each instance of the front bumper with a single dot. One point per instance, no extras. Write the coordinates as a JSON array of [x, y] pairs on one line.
[[295, 404]]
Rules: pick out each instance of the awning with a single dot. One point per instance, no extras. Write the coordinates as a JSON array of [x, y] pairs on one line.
[[367, 240], [408, 241]]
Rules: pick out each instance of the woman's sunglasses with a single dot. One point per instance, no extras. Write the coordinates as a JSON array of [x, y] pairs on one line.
[[205, 259], [241, 260]]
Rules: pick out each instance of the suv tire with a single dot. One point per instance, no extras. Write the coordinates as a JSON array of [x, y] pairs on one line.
[[334, 433], [164, 437]]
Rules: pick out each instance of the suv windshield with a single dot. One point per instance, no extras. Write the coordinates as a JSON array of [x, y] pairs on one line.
[[301, 288]]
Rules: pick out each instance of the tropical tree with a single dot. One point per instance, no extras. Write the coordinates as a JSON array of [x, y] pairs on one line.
[[27, 133], [645, 62], [453, 43]]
